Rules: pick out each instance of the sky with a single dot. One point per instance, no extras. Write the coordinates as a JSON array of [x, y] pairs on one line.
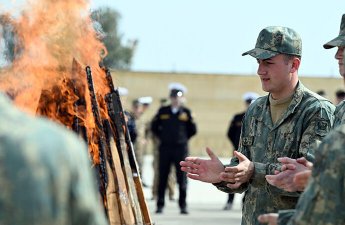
[[204, 36], [209, 36]]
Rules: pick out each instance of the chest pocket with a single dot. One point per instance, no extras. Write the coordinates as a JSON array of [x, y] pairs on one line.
[[183, 117], [164, 116], [254, 130]]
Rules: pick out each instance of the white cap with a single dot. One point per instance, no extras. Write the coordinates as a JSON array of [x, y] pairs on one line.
[[123, 91], [145, 100], [177, 86], [250, 96]]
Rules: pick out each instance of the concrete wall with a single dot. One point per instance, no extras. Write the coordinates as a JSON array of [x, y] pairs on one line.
[[213, 99]]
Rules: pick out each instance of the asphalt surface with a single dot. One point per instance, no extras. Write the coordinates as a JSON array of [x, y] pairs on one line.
[[205, 204]]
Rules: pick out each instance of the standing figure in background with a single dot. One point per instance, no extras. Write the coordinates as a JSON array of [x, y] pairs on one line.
[[155, 164], [234, 133], [340, 96], [321, 93], [174, 126], [142, 127], [132, 123]]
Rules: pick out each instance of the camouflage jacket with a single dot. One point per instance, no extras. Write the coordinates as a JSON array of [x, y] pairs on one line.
[[45, 175], [339, 119], [339, 114], [306, 121], [322, 202]]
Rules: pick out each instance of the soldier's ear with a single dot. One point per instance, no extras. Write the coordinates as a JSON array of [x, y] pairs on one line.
[[295, 64]]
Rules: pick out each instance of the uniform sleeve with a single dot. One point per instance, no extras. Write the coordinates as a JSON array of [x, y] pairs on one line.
[[191, 126], [318, 126], [285, 216], [324, 196]]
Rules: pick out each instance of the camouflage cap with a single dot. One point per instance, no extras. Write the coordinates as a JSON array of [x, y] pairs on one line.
[[340, 40], [276, 40]]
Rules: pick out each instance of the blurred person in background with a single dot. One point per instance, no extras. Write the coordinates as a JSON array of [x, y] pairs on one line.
[[155, 164], [174, 126], [143, 128], [339, 96]]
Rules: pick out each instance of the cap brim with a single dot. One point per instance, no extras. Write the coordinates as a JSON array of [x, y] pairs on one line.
[[338, 41], [260, 53]]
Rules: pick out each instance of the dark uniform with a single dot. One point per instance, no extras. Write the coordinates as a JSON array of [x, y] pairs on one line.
[[234, 131], [173, 130]]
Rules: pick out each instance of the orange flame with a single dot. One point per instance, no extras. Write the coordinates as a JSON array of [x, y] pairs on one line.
[[53, 34]]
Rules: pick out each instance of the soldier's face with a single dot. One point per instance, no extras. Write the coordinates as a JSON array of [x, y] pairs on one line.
[[275, 75], [176, 101], [340, 57]]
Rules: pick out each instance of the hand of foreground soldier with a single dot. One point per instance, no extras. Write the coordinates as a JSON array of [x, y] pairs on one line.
[[269, 218], [284, 179], [301, 179], [237, 175], [206, 170]]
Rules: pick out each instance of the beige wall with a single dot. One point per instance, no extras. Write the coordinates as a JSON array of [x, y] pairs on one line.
[[213, 99]]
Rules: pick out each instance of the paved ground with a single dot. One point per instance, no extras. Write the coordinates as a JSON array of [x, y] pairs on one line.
[[205, 204]]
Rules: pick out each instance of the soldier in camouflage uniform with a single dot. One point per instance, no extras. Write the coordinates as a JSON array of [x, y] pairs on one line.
[[323, 200], [298, 171], [45, 175], [287, 122]]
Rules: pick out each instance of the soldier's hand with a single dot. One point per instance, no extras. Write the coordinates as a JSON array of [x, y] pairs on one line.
[[270, 218], [292, 164], [285, 179], [237, 175], [206, 170], [301, 179], [305, 162]]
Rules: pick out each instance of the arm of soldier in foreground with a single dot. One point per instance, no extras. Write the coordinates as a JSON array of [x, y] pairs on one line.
[[205, 170], [323, 197], [284, 179], [57, 179]]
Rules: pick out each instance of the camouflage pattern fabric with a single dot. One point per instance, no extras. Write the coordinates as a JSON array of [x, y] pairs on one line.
[[140, 142], [276, 40], [339, 114], [323, 200], [307, 120], [340, 40], [45, 175], [285, 215]]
